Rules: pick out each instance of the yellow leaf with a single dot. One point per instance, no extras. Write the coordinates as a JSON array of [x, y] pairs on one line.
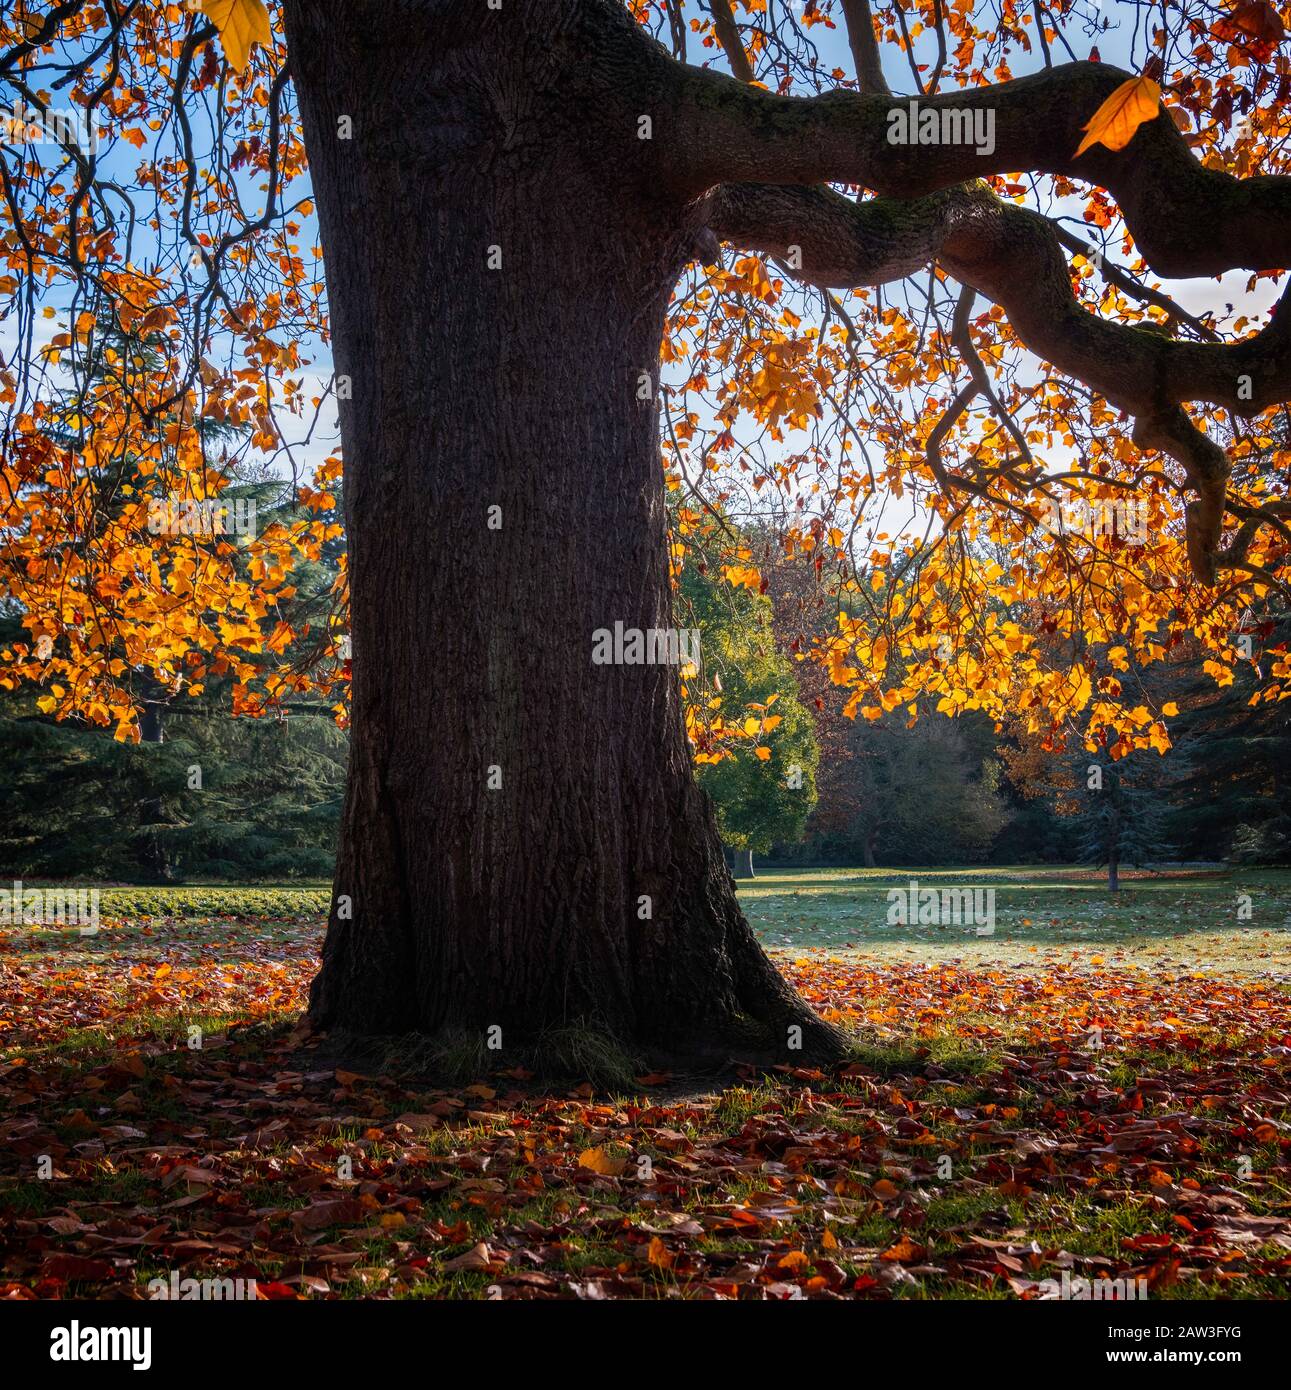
[[603, 1162], [658, 1254], [1116, 120], [762, 754], [241, 23]]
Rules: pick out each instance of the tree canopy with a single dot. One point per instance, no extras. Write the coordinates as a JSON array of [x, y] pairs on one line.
[[962, 344]]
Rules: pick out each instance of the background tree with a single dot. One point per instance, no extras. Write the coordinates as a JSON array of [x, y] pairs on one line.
[[765, 788], [1119, 811]]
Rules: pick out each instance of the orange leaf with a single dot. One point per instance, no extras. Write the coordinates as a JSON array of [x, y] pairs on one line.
[[1116, 120], [904, 1249], [603, 1162], [658, 1254]]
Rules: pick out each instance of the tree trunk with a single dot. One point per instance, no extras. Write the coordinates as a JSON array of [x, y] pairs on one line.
[[523, 844], [151, 724], [1113, 872], [150, 853], [744, 864], [867, 843]]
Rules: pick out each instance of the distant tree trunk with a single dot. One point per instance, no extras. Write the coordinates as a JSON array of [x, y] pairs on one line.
[[867, 847], [523, 843], [1113, 871], [151, 726], [744, 864], [150, 853]]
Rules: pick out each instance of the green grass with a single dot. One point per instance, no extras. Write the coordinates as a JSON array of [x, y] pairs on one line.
[[1183, 917]]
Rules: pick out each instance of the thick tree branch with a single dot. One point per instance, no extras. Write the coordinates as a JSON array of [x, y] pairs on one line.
[[1014, 257], [1187, 220]]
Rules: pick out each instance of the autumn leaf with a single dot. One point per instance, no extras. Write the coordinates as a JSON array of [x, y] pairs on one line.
[[603, 1162], [904, 1251], [1116, 120], [241, 23], [478, 1257], [658, 1254]]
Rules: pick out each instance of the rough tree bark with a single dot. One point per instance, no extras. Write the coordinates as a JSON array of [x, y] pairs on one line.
[[523, 843], [503, 224]]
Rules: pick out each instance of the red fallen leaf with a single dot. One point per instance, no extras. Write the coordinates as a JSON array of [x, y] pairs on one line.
[[65, 1225], [345, 1211], [275, 1289], [76, 1267], [188, 1172], [1147, 1242], [655, 1078], [419, 1124], [132, 1064]]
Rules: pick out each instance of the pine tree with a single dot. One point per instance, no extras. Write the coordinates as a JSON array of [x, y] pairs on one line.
[[1121, 811]]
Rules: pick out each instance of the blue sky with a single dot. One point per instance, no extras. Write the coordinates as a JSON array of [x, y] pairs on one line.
[[1115, 47]]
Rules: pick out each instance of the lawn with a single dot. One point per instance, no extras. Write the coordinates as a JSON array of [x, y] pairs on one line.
[[1098, 1089], [1185, 918]]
